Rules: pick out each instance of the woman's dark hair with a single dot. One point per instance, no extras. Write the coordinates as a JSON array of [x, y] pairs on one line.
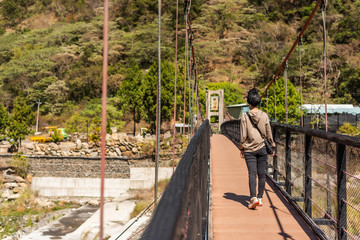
[[253, 97]]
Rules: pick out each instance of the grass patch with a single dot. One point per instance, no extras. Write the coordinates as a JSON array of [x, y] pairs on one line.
[[24, 212], [145, 197]]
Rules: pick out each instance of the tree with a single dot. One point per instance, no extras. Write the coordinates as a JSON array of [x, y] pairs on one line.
[[294, 113], [232, 92], [149, 91], [20, 119], [130, 93], [3, 119]]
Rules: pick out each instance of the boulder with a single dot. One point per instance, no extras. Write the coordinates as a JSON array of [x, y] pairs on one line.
[[54, 146], [167, 134], [93, 203], [11, 185], [16, 190], [114, 137], [127, 154], [91, 144], [6, 193], [94, 154], [14, 179], [85, 145], [123, 148], [29, 178], [78, 143], [134, 150], [118, 151]]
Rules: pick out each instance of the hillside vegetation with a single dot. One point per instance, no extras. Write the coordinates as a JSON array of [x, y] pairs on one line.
[[51, 50]]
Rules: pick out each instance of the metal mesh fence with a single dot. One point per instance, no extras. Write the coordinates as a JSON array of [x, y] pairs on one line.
[[319, 172], [352, 202]]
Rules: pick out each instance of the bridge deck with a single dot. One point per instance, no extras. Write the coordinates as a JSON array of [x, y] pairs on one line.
[[232, 220]]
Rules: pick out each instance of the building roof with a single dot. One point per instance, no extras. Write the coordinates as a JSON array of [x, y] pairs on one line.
[[238, 105], [331, 108]]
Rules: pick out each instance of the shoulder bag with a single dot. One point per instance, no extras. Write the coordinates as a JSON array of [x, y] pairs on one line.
[[267, 144]]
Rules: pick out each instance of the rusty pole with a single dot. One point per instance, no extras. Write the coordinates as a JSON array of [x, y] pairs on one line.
[[176, 53], [103, 114]]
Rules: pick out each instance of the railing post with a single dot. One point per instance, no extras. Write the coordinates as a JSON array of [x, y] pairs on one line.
[[308, 167], [288, 162], [275, 173], [341, 190]]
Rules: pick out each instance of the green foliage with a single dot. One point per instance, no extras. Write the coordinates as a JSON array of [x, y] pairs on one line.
[[293, 103], [55, 137], [4, 117], [349, 129], [348, 27], [232, 92], [20, 119], [21, 165], [349, 85], [149, 90], [130, 92]]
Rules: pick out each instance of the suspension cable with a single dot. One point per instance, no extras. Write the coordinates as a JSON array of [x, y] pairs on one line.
[[275, 99], [293, 47], [103, 114], [286, 93], [176, 56], [158, 106], [185, 76], [301, 90], [323, 13]]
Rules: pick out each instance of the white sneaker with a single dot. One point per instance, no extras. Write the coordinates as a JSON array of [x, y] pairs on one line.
[[253, 203], [260, 202]]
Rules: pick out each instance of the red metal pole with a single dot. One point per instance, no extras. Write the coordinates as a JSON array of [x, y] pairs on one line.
[[103, 114], [176, 53]]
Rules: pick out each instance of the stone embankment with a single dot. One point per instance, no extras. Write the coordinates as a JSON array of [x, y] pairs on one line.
[[12, 185], [117, 145]]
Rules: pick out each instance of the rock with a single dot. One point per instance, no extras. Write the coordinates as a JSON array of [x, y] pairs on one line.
[[29, 178], [41, 153], [127, 154], [123, 148], [93, 202], [150, 137], [85, 145], [134, 150], [114, 137], [94, 154], [16, 190], [167, 134], [54, 146], [9, 171], [91, 144], [11, 178], [13, 196], [37, 148], [53, 153], [78, 144], [65, 153], [118, 151], [23, 185], [113, 129], [11, 185], [6, 193]]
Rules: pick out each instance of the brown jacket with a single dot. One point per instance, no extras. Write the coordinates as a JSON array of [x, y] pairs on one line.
[[250, 138]]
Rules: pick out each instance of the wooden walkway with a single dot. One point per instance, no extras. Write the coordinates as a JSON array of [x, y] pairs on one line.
[[232, 220]]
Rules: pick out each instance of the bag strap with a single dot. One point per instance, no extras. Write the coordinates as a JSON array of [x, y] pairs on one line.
[[255, 126]]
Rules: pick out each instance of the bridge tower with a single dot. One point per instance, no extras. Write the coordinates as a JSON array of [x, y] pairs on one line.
[[215, 105]]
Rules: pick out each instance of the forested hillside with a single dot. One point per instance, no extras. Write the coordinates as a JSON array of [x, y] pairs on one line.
[[51, 50]]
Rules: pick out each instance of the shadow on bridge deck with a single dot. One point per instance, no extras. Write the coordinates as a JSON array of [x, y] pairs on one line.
[[232, 220]]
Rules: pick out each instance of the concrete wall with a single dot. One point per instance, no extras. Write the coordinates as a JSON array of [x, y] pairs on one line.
[[80, 176], [140, 178]]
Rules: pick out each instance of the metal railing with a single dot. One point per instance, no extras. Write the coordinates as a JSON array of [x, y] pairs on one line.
[[182, 212], [319, 173]]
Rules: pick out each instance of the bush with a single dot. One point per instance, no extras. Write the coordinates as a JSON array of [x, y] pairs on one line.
[[349, 129], [21, 165]]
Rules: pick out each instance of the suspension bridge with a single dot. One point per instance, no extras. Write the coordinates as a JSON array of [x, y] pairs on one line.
[[312, 186]]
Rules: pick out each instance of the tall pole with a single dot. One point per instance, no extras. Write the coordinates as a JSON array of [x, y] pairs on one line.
[[158, 106], [103, 114], [286, 94], [185, 75], [37, 117], [301, 93], [323, 9], [176, 49]]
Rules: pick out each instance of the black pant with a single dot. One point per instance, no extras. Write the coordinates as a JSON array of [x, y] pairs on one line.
[[256, 163]]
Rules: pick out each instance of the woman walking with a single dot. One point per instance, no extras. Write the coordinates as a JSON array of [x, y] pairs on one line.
[[254, 129]]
